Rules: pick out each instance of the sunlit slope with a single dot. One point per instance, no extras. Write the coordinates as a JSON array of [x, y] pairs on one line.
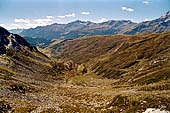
[[140, 59]]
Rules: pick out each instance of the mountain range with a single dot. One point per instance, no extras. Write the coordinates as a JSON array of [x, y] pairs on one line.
[[16, 31], [79, 28]]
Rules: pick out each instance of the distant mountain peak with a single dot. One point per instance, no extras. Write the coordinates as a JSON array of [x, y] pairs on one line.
[[166, 15], [77, 22]]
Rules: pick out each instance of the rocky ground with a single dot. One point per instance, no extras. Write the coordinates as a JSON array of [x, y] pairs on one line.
[[86, 93]]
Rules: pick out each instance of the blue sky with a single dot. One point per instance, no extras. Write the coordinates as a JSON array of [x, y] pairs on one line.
[[32, 13]]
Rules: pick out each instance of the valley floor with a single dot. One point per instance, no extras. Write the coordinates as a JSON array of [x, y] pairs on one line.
[[90, 93]]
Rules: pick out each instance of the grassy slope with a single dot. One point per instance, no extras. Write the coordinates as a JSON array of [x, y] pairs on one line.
[[138, 59]]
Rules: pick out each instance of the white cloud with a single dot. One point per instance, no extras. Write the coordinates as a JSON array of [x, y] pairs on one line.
[[68, 15], [26, 23], [16, 26], [102, 20], [2, 25], [34, 25], [21, 20], [61, 16], [49, 17], [45, 20], [146, 2], [57, 19], [26, 26], [127, 9], [146, 19], [85, 13]]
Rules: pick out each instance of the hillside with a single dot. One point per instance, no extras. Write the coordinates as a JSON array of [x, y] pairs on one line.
[[25, 72], [38, 42], [136, 65], [133, 58]]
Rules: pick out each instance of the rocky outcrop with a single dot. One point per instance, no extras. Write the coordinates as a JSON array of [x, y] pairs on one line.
[[82, 69], [5, 107], [13, 41], [62, 66]]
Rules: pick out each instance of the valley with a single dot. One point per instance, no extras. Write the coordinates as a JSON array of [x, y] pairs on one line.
[[86, 67], [110, 73]]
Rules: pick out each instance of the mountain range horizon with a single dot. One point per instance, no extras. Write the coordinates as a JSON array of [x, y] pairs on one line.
[[79, 20]]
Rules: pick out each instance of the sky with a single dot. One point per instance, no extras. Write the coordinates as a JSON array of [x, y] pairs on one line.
[[32, 13]]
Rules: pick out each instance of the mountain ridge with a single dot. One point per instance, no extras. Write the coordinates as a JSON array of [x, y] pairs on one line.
[[16, 31], [14, 41], [77, 29], [159, 25]]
